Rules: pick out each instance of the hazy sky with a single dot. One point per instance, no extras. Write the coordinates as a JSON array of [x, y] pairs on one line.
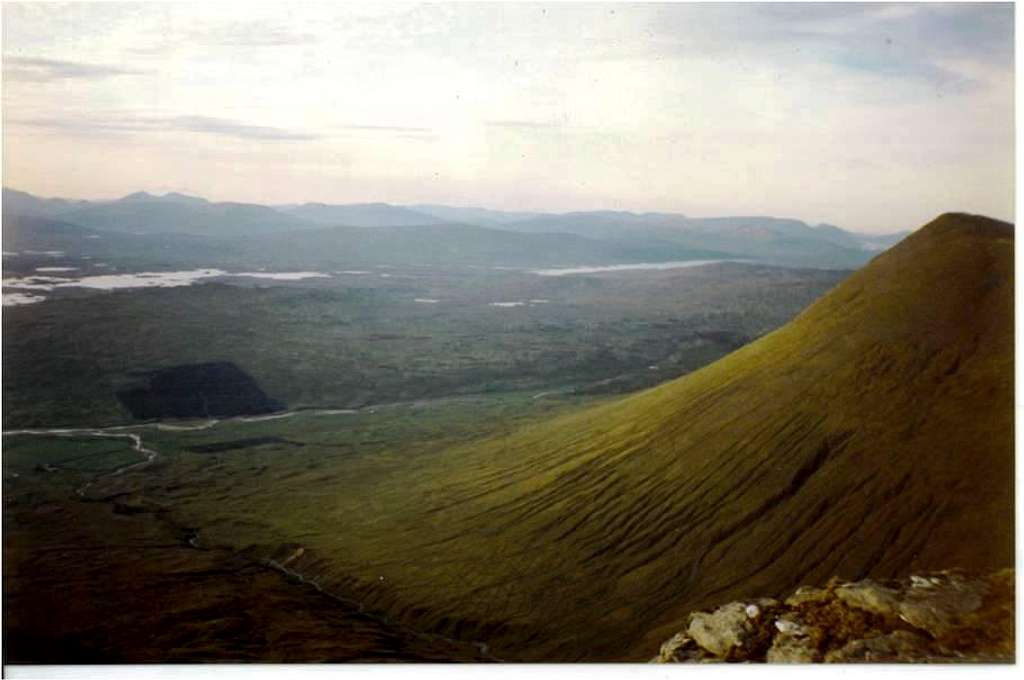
[[874, 117]]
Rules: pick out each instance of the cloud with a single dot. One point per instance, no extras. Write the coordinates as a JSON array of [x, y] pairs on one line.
[[81, 126], [149, 124], [39, 70], [382, 132], [521, 124], [902, 42], [385, 128], [224, 127], [232, 36], [230, 128], [868, 115], [254, 34]]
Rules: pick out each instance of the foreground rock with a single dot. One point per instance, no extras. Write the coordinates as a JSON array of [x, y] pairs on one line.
[[941, 618]]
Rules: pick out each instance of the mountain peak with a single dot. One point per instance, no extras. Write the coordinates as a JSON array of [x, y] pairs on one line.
[[170, 197], [138, 196], [966, 223], [182, 198]]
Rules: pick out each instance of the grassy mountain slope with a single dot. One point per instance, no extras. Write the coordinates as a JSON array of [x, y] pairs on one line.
[[871, 436]]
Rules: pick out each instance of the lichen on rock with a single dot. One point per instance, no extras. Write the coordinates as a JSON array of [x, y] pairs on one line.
[[869, 596], [794, 642], [734, 632], [942, 617]]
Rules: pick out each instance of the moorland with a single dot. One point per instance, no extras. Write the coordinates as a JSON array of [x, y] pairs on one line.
[[397, 422]]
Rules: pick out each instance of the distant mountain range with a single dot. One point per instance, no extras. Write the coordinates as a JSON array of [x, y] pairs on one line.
[[463, 235], [29, 236], [461, 244], [784, 241], [21, 203], [360, 215]]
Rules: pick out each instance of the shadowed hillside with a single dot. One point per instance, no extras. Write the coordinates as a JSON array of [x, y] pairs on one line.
[[871, 436], [215, 389]]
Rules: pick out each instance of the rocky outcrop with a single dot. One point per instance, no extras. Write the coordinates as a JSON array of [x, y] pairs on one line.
[[943, 617]]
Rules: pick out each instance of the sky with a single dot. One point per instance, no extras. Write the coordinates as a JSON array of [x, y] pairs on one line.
[[873, 117]]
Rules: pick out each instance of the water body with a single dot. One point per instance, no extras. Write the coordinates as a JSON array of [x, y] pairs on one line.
[[676, 264], [15, 299], [115, 281], [284, 276], [519, 303], [134, 280], [35, 282]]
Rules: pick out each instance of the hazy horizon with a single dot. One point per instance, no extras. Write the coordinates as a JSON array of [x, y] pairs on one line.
[[874, 117], [413, 206]]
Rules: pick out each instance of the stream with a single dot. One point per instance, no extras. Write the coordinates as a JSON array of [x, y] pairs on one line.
[[149, 455]]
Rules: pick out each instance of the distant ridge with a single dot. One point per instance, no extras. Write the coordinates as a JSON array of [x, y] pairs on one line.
[[170, 197], [361, 215], [22, 203], [459, 244], [781, 240], [766, 239], [142, 213]]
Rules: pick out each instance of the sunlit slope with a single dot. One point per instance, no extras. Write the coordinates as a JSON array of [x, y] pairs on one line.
[[870, 436]]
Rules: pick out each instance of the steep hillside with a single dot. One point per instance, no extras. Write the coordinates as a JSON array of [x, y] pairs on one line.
[[870, 437]]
